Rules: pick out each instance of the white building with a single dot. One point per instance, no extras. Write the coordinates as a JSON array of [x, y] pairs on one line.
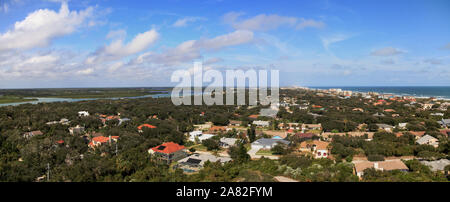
[[261, 123], [83, 113], [199, 135]]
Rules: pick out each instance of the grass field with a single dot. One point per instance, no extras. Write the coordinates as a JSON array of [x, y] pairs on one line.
[[264, 152], [12, 99]]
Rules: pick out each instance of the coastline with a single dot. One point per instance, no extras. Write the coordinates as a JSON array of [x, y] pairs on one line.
[[384, 90]]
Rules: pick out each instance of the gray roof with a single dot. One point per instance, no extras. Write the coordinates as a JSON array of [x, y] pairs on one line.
[[446, 121], [228, 141], [424, 139], [437, 165], [382, 125], [202, 158], [269, 142]]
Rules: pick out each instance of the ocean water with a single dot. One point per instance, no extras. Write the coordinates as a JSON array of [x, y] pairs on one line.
[[441, 92]]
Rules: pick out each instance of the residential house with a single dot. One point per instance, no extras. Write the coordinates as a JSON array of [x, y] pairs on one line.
[[429, 140], [32, 134], [438, 165], [402, 125], [306, 127], [286, 126], [319, 149], [379, 165], [235, 123], [261, 123], [266, 143], [385, 127], [100, 140], [198, 135], [329, 135], [77, 130], [195, 162], [168, 152], [83, 113], [253, 116], [204, 126], [427, 106], [227, 142], [217, 129], [378, 115], [145, 125], [445, 123]]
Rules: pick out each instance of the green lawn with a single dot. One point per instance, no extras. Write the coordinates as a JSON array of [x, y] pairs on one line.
[[264, 152]]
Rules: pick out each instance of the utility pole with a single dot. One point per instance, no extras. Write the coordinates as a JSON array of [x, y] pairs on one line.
[[48, 172], [116, 147]]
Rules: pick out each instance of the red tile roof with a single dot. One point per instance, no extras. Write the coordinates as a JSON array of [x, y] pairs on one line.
[[60, 141], [146, 125], [168, 148], [103, 139]]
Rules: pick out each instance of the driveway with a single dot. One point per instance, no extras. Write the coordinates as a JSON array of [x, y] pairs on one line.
[[252, 153]]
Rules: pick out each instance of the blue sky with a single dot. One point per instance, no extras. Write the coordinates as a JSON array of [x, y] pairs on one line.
[[112, 43]]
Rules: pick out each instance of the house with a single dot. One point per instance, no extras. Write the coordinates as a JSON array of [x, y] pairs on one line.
[[293, 126], [304, 135], [445, 123], [253, 116], [83, 113], [235, 123], [358, 109], [32, 134], [100, 140], [389, 165], [145, 125], [204, 126], [402, 125], [437, 114], [427, 106], [429, 140], [378, 114], [386, 127], [195, 162], [227, 142], [198, 135], [389, 110], [77, 130], [319, 149], [274, 133], [168, 152], [438, 165], [122, 120], [266, 143], [217, 129], [311, 127], [445, 132], [329, 135], [63, 121], [261, 123]]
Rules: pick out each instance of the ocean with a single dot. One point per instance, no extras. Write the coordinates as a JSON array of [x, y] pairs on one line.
[[440, 92]]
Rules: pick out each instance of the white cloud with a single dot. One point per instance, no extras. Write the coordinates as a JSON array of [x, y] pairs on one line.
[[433, 61], [329, 40], [116, 34], [192, 49], [388, 51], [85, 71], [304, 23], [184, 21], [265, 22], [117, 49], [41, 26]]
